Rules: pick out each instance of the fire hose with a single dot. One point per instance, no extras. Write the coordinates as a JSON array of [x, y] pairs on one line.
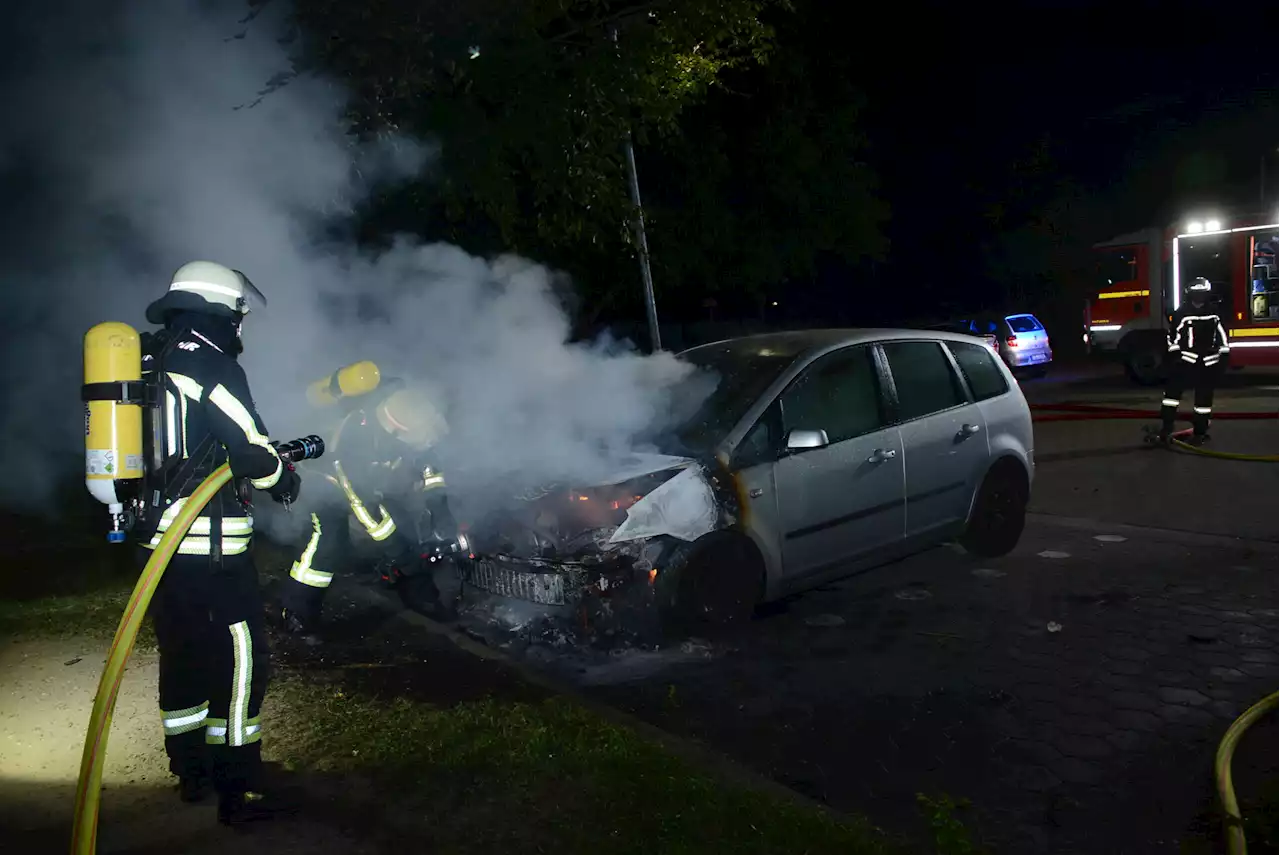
[[1236, 844], [1095, 412], [84, 832]]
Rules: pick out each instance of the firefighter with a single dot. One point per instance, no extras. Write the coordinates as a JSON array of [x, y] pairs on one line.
[[207, 609], [379, 471], [1197, 347]]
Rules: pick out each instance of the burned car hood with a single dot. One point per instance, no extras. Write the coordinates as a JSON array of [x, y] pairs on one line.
[[643, 497]]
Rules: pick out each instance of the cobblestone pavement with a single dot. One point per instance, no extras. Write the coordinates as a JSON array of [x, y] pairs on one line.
[[1074, 690]]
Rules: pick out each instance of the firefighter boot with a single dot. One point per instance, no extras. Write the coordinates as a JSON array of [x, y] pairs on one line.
[[240, 808], [194, 788], [295, 625]]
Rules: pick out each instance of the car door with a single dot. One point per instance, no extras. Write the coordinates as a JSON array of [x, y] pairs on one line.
[[843, 497], [944, 435]]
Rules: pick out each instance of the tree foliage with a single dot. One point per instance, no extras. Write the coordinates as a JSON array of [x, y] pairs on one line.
[[531, 98], [768, 177]]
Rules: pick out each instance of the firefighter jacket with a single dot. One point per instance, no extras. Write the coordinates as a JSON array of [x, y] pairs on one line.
[[375, 470], [1196, 336], [208, 418]]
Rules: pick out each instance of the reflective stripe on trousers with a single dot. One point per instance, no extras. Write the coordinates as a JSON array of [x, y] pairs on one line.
[[177, 722]]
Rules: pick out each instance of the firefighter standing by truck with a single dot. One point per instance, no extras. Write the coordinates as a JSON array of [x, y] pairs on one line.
[[380, 471], [207, 609], [1197, 349]]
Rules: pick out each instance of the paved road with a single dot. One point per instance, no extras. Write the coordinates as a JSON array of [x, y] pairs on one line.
[[1074, 690]]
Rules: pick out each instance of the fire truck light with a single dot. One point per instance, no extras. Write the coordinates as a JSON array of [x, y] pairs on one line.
[[1195, 227], [1213, 226]]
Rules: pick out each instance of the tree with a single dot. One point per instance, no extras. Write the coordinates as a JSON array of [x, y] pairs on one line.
[[770, 175], [530, 98]]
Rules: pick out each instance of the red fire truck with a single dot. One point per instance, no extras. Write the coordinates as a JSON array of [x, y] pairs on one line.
[[1143, 275]]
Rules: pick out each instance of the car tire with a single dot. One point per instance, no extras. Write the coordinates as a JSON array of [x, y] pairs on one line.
[[999, 512], [709, 587]]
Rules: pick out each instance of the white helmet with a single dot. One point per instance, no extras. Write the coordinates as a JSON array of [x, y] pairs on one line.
[[411, 416], [206, 286]]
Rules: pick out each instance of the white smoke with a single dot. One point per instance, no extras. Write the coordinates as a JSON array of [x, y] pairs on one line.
[[127, 150]]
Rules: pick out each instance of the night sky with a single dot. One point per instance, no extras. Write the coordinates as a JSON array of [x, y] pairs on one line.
[[1149, 107]]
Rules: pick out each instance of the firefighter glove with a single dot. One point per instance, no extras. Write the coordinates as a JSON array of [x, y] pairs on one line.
[[287, 488]]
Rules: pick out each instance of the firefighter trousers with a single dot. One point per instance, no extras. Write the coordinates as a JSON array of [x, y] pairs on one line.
[[1199, 377], [214, 668], [328, 546]]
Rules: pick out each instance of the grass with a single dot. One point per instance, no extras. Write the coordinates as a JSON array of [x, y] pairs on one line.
[[94, 615], [488, 776]]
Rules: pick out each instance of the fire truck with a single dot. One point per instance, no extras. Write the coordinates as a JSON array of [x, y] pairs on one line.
[[1143, 275]]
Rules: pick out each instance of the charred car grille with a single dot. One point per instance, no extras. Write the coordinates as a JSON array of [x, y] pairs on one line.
[[549, 587]]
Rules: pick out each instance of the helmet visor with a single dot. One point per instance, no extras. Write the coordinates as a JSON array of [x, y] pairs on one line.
[[253, 298]]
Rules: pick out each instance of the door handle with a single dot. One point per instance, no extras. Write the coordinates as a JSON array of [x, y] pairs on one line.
[[755, 492], [880, 455], [967, 431]]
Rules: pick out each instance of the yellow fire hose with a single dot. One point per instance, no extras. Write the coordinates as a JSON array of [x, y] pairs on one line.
[[84, 833], [1234, 824], [1236, 844], [1224, 455]]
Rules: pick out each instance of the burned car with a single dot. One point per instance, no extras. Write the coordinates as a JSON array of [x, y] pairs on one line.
[[818, 453]]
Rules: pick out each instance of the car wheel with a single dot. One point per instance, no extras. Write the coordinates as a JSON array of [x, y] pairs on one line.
[[711, 586], [999, 512]]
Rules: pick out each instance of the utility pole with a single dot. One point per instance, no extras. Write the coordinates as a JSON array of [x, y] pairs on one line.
[[642, 242]]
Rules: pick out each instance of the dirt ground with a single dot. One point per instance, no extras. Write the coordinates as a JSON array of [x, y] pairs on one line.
[[45, 701]]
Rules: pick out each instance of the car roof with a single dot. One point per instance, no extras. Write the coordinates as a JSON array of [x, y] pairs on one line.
[[797, 343]]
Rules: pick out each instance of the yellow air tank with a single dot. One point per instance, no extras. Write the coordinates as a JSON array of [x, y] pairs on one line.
[[113, 400], [354, 380]]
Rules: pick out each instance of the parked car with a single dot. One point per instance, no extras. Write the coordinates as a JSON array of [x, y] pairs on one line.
[[819, 453], [973, 328], [1022, 339]]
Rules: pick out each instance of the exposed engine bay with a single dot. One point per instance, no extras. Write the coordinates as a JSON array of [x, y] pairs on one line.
[[592, 557]]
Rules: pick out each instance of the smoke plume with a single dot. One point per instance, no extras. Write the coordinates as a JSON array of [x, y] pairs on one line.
[[128, 149]]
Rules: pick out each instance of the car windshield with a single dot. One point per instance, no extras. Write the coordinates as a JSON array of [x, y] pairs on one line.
[[729, 379], [1023, 323]]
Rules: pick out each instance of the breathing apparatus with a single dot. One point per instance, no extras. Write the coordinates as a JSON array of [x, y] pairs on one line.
[[125, 429]]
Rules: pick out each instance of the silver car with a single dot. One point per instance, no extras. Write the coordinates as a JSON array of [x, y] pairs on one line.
[[1022, 340], [864, 446], [819, 453]]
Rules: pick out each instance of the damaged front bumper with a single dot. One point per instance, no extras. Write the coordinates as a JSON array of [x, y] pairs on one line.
[[592, 558]]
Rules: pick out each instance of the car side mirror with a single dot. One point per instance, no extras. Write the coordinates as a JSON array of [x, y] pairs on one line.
[[802, 440]]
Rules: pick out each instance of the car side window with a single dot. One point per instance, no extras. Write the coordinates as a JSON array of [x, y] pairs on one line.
[[978, 366], [840, 394], [923, 377]]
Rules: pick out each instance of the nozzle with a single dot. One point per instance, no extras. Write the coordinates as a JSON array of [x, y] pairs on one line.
[[306, 448]]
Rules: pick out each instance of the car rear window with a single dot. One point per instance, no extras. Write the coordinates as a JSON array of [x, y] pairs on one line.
[[986, 380], [923, 377], [1023, 323]]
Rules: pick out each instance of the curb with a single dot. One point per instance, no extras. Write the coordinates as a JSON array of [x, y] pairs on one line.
[[686, 749]]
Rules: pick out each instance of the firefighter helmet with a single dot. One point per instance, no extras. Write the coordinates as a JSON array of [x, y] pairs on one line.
[[412, 417], [206, 286], [1199, 290]]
